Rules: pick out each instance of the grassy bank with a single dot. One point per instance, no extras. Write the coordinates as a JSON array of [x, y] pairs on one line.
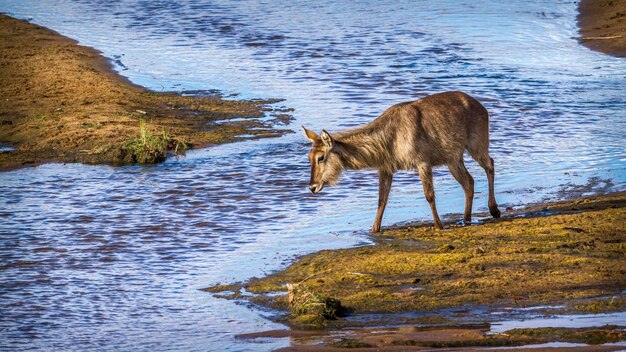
[[60, 101], [567, 254], [576, 253]]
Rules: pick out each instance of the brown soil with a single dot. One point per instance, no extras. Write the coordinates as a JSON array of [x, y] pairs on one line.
[[315, 348], [603, 26], [410, 338], [60, 101]]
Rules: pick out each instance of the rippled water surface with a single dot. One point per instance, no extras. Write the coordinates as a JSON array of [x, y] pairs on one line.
[[103, 258]]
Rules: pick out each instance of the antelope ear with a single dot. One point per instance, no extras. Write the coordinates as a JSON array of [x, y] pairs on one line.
[[327, 139], [310, 134]]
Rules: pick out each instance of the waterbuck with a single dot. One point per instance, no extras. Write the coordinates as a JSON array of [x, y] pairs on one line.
[[417, 135]]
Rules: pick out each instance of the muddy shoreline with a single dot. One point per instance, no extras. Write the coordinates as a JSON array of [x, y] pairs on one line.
[[602, 26], [63, 102], [564, 257]]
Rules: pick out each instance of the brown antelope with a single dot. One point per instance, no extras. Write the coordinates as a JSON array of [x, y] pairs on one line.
[[417, 135]]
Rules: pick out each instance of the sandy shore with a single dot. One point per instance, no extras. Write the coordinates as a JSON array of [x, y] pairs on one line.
[[568, 255], [62, 102], [603, 26]]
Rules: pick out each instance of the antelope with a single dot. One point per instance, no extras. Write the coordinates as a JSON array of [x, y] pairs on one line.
[[416, 135]]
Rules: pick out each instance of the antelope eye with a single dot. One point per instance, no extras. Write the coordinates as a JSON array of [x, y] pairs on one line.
[[320, 158]]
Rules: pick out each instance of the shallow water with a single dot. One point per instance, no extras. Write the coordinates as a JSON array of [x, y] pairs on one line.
[[103, 258]]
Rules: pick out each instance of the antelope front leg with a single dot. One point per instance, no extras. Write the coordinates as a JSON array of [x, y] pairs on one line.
[[384, 186], [426, 174]]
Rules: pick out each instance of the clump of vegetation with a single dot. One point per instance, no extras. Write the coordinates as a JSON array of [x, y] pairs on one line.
[[151, 147], [309, 307]]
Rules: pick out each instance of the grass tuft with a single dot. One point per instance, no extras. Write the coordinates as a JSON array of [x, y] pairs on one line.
[[151, 147], [309, 307]]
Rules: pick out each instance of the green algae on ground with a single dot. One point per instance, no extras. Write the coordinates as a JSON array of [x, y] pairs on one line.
[[514, 262], [613, 304]]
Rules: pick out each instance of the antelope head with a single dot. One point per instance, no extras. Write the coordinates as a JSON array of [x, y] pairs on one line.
[[326, 165]]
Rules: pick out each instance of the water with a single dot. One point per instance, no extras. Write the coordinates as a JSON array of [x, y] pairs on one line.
[[103, 258]]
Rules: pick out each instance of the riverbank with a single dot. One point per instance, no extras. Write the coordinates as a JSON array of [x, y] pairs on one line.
[[62, 102], [602, 26], [567, 257]]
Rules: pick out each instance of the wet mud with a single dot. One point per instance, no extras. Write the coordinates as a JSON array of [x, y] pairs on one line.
[[450, 338]]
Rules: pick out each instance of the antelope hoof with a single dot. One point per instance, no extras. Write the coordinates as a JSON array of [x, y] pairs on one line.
[[375, 229], [495, 212]]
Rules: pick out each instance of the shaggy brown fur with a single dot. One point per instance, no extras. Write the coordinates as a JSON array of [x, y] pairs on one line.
[[417, 135]]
